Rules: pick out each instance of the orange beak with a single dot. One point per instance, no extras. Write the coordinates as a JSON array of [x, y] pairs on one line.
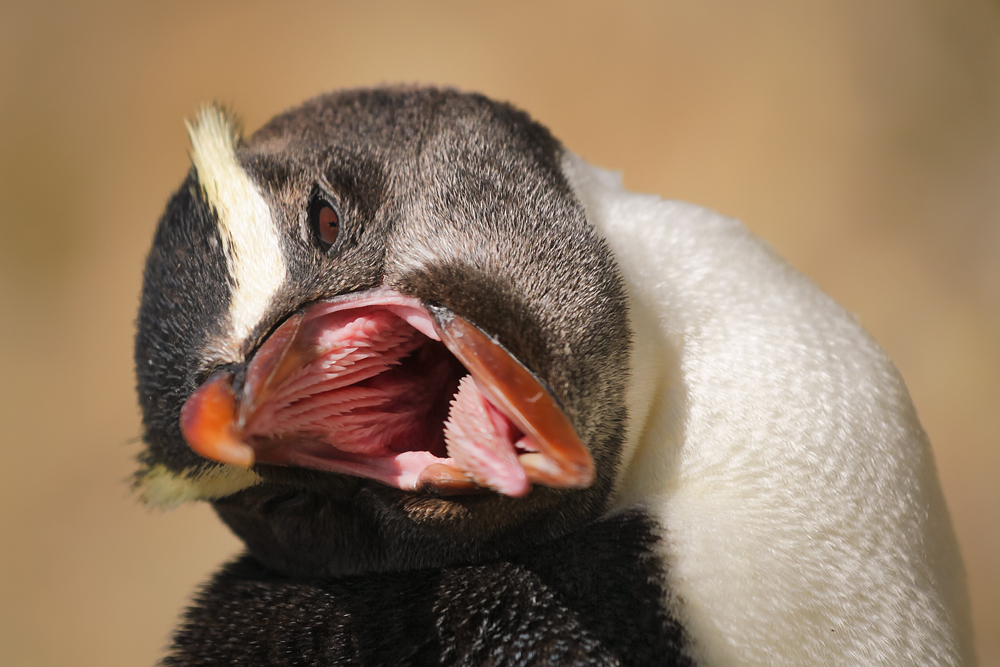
[[214, 420]]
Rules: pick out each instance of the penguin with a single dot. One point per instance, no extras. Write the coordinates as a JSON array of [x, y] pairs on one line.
[[467, 400]]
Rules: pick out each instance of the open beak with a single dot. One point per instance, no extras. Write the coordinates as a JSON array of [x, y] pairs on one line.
[[378, 385]]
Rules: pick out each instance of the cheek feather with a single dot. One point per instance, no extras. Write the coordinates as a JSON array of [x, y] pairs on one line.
[[158, 486], [247, 228]]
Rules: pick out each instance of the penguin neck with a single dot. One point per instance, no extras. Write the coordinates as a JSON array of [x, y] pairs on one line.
[[653, 370], [648, 437]]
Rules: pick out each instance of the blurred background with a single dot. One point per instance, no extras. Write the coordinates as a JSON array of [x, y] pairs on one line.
[[861, 139]]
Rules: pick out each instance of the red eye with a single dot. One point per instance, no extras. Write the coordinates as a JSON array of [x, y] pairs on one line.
[[325, 221], [329, 225]]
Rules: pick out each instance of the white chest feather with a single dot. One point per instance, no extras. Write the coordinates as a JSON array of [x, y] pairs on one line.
[[775, 442]]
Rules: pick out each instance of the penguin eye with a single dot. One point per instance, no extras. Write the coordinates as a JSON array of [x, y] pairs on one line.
[[325, 220]]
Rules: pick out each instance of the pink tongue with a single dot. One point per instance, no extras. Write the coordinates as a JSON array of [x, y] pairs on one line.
[[480, 440]]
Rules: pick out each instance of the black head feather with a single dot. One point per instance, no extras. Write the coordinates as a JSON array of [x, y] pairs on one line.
[[448, 197]]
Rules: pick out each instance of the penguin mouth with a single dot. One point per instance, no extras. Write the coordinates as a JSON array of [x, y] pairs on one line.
[[379, 385]]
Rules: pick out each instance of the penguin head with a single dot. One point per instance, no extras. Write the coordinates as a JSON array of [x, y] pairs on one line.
[[380, 333]]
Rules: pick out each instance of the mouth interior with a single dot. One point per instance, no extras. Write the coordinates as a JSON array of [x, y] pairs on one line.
[[383, 400]]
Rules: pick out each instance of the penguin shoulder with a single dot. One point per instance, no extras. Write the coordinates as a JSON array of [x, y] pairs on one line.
[[777, 446]]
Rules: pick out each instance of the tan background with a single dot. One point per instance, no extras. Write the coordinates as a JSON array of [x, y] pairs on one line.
[[862, 139]]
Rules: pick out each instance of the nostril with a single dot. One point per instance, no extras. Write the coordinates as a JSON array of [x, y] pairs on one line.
[[237, 371]]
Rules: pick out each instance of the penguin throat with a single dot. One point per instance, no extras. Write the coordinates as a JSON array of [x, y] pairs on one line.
[[383, 400]]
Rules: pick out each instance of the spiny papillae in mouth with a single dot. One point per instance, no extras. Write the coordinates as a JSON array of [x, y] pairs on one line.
[[364, 385]]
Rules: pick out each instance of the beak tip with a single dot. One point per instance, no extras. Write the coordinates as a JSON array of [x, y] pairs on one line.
[[207, 423], [238, 454]]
